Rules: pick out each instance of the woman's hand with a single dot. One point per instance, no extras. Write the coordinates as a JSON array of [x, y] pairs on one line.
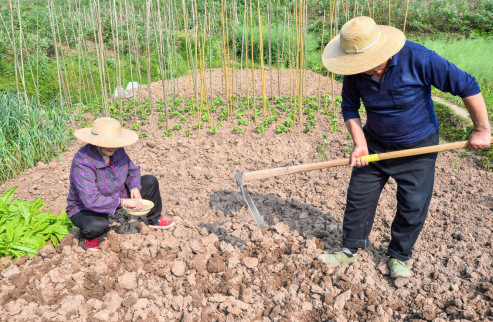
[[134, 204], [358, 152], [135, 194]]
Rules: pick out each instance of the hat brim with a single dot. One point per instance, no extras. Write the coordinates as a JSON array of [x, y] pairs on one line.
[[336, 61], [126, 138]]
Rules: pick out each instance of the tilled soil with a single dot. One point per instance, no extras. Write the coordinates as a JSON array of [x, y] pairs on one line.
[[217, 266]]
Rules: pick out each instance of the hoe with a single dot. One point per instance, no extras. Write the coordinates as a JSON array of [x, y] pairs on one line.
[[242, 177]]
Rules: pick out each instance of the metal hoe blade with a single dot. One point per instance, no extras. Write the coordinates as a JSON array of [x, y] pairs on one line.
[[249, 201]]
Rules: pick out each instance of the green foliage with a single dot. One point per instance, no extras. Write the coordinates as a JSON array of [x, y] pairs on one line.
[[24, 229], [470, 55], [454, 128], [266, 122], [176, 127], [237, 129], [187, 133], [333, 123], [322, 148], [29, 133], [168, 133], [285, 127], [213, 129]]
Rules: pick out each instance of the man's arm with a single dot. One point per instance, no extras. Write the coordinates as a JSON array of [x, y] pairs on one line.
[[360, 146], [481, 136]]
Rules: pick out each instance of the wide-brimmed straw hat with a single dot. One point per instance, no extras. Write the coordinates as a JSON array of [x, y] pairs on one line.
[[361, 46], [107, 133]]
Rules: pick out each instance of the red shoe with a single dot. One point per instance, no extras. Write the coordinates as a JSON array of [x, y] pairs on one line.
[[92, 244], [163, 224]]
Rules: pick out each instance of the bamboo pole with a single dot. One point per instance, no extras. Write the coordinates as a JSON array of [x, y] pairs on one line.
[[148, 56], [270, 50], [161, 63], [15, 49], [321, 51], [405, 17], [389, 12], [262, 70], [245, 17], [22, 73], [253, 66]]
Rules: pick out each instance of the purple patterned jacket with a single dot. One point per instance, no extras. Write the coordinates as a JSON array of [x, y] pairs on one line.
[[97, 186]]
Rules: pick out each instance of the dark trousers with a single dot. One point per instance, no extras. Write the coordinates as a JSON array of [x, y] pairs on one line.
[[94, 224], [415, 178]]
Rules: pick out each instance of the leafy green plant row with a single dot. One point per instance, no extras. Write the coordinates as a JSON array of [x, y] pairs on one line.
[[24, 229], [182, 111]]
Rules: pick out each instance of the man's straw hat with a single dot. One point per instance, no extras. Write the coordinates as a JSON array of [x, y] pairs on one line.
[[107, 133], [361, 46]]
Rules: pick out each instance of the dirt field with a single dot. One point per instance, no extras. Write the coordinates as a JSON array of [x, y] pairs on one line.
[[216, 266]]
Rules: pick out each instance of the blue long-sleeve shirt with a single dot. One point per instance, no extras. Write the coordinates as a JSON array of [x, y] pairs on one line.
[[400, 109]]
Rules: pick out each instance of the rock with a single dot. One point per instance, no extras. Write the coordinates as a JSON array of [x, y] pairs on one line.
[[103, 315], [71, 304], [196, 246], [141, 304], [199, 264], [247, 295], [47, 251], [112, 301], [250, 262], [179, 268], [341, 300], [13, 308], [401, 282], [316, 289], [378, 318], [307, 306], [10, 271], [128, 280], [129, 301], [216, 265], [56, 275]]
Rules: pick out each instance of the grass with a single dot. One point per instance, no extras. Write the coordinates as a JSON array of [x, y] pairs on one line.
[[29, 133], [454, 128], [470, 55]]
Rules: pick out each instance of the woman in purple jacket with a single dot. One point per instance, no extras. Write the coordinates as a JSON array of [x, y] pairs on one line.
[[103, 179]]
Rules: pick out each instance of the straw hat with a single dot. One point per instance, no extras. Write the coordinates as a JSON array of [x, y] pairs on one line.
[[107, 133], [361, 46]]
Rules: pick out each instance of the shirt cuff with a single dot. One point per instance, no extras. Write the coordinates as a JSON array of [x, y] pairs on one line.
[[350, 115]]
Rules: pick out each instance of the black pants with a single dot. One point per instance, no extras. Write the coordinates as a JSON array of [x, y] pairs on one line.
[[415, 178], [94, 224]]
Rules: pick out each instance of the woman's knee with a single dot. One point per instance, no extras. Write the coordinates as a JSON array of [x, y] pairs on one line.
[[149, 181], [96, 228]]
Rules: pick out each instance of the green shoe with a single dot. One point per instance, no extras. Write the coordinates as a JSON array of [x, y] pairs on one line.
[[337, 258], [398, 269]]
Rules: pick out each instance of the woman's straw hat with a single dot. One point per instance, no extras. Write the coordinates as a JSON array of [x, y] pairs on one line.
[[107, 133], [361, 46]]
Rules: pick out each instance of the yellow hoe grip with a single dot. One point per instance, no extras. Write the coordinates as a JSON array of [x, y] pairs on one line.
[[370, 157]]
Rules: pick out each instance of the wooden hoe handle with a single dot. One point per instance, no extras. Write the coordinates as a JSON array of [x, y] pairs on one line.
[[276, 172]]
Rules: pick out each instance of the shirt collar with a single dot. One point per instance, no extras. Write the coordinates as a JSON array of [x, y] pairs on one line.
[[393, 60], [96, 157]]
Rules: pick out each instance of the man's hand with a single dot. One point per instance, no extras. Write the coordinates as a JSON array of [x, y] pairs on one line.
[[479, 140], [358, 152], [135, 194], [134, 204]]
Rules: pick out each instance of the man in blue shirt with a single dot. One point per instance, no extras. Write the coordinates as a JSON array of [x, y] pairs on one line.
[[393, 78]]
